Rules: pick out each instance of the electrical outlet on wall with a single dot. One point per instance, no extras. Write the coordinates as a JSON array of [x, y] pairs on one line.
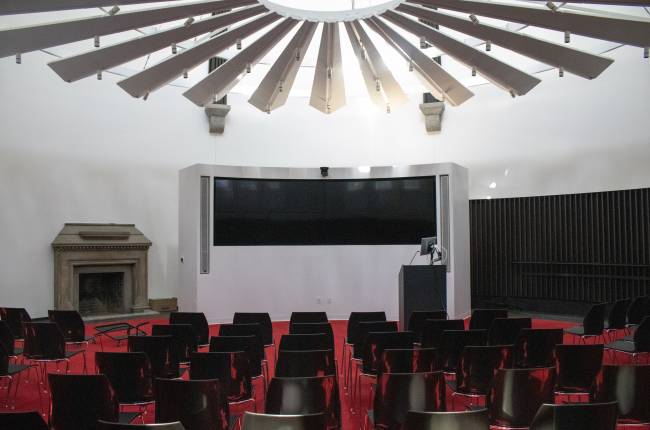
[[318, 300], [329, 300]]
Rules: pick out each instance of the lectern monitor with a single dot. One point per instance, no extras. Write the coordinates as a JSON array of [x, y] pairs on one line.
[[323, 212]]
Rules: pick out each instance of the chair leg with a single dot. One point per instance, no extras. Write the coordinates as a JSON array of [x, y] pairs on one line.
[[10, 381]]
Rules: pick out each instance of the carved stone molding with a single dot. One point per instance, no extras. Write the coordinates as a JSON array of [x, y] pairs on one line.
[[433, 115], [216, 114]]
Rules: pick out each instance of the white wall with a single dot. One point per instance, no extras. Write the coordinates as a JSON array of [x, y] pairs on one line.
[[86, 152]]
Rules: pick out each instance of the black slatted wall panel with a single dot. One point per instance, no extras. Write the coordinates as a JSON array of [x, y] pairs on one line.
[[560, 253]]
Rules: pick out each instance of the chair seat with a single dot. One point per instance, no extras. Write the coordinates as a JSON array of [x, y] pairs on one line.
[[14, 369], [579, 331], [629, 338], [453, 386], [17, 352], [69, 354], [622, 345], [127, 417]]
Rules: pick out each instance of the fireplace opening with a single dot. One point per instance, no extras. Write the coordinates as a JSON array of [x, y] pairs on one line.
[[101, 293]]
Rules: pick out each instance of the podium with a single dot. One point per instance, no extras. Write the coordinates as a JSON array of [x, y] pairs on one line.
[[421, 288]]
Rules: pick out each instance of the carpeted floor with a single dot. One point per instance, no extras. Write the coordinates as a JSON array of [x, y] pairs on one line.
[[28, 398]]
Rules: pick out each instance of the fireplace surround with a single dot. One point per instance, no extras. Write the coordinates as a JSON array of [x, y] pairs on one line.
[[104, 265]]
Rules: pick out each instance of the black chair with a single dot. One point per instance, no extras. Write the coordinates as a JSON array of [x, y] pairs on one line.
[[504, 331], [363, 328], [183, 340], [198, 321], [482, 318], [591, 416], [261, 318], [78, 401], [254, 330], [467, 420], [71, 325], [432, 331], [535, 347], [517, 394], [284, 422], [398, 393], [577, 368], [305, 363], [15, 317], [476, 370], [616, 317], [630, 387], [247, 344], [199, 404], [314, 328], [417, 319], [304, 342], [307, 317], [44, 344], [409, 360], [352, 336], [300, 396], [593, 324], [10, 371], [159, 351], [452, 344], [104, 425], [8, 341], [232, 369], [640, 344], [31, 420], [638, 309], [130, 376]]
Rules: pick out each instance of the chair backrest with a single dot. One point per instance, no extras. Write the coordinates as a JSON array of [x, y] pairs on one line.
[[15, 317], [78, 401], [363, 328], [398, 393], [43, 341], [70, 323], [478, 365], [417, 319], [305, 363], [617, 315], [630, 386], [466, 420], [517, 394], [504, 331], [232, 369], [159, 351], [639, 308], [129, 374], [105, 425], [304, 342], [4, 361], [31, 420], [642, 336], [253, 329], [183, 339], [308, 317], [376, 342], [535, 347], [197, 320], [482, 318], [314, 328], [594, 322], [261, 318], [432, 331], [7, 338], [577, 367], [198, 404], [247, 344], [253, 421], [453, 342], [299, 396], [592, 416], [356, 318], [409, 360]]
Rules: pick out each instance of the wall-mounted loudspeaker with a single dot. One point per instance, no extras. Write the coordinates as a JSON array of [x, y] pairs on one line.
[[204, 225], [445, 242]]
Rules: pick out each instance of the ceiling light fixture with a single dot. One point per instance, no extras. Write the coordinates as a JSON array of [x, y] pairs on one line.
[[493, 185], [364, 169]]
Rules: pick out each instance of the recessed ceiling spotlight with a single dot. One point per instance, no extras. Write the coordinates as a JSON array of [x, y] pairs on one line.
[[364, 169], [488, 197], [506, 172], [493, 185]]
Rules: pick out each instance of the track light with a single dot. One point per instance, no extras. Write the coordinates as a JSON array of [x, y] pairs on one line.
[[96, 40], [363, 54], [513, 94], [185, 74], [473, 71], [114, 10], [423, 43], [99, 75], [329, 73], [488, 45], [174, 49], [248, 68], [567, 36], [281, 86], [552, 6], [189, 21], [646, 52], [19, 58], [387, 108], [561, 72], [297, 54], [474, 19], [377, 85], [410, 65], [238, 43], [145, 97]]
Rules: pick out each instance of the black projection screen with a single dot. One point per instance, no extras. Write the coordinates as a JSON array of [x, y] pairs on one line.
[[389, 211]]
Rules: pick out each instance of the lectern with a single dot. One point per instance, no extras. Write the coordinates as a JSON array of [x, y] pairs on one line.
[[421, 288]]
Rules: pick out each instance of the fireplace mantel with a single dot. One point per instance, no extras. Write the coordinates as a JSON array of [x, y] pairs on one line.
[[99, 245]]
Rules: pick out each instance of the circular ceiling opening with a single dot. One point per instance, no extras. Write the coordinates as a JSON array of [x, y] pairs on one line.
[[330, 10]]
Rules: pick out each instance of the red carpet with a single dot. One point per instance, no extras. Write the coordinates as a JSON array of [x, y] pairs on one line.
[[28, 398]]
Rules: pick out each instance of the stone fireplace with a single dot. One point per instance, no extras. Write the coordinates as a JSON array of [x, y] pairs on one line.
[[101, 269]]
